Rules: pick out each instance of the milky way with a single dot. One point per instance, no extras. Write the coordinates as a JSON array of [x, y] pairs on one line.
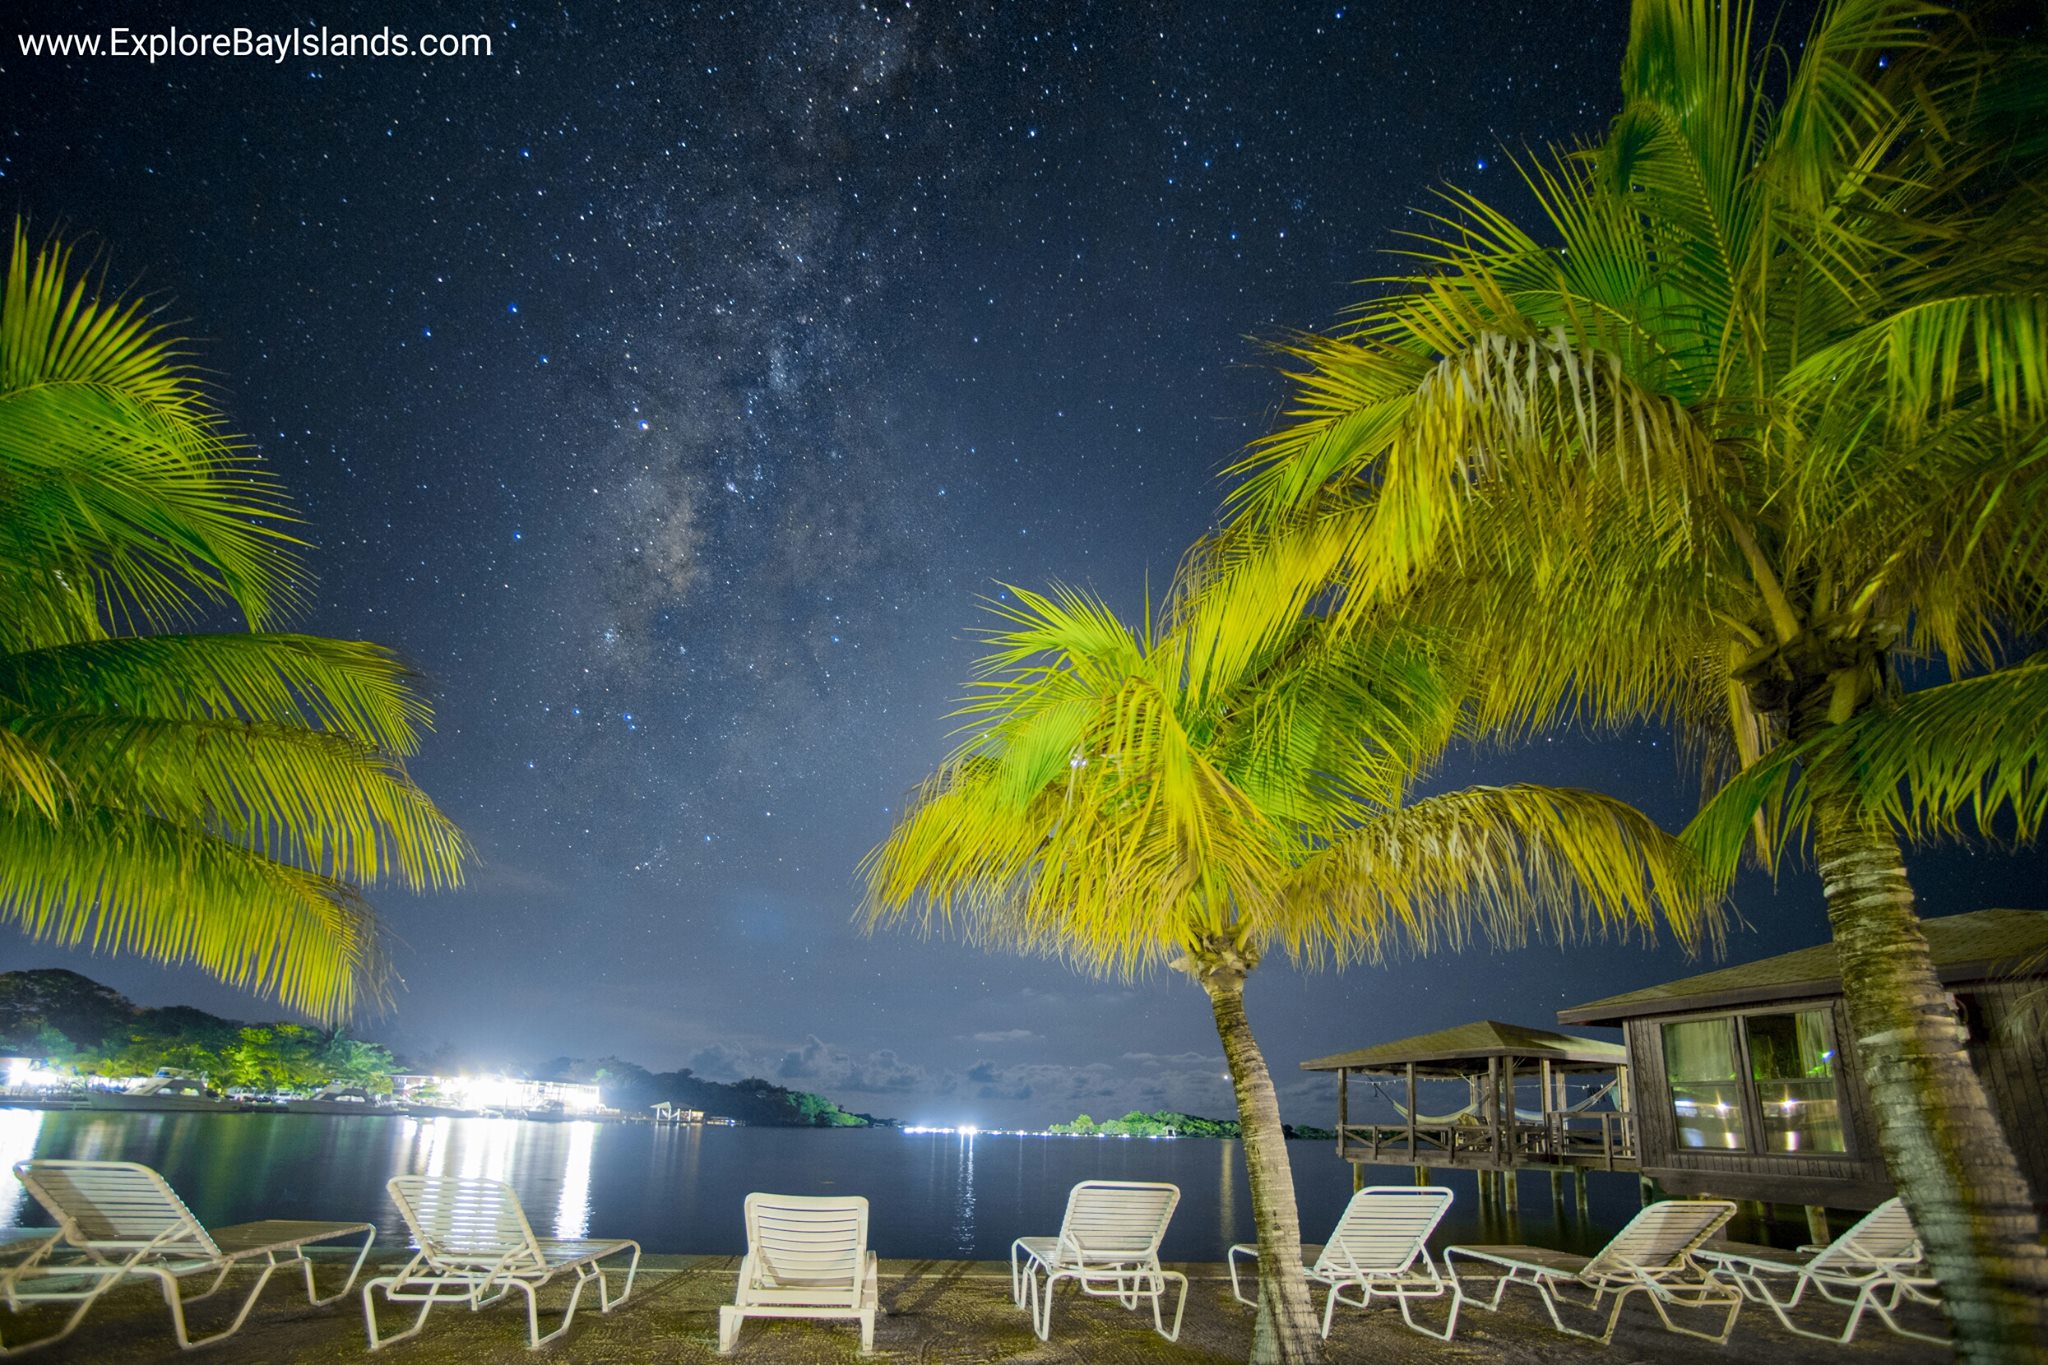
[[669, 388]]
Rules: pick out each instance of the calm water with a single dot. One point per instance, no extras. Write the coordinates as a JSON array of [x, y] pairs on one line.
[[679, 1190]]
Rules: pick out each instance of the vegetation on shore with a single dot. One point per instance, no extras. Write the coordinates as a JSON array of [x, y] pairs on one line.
[[1172, 1123], [77, 1025]]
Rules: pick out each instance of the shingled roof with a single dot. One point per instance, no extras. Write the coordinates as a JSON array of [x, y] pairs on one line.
[[1979, 946], [1475, 1043]]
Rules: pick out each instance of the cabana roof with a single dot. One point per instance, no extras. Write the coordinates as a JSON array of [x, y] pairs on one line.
[[1463, 1050], [1980, 946]]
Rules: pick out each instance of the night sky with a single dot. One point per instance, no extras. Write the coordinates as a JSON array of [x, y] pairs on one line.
[[669, 388]]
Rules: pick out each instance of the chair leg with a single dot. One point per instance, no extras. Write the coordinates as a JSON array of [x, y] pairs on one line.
[[313, 1296], [1500, 1285], [605, 1302], [1450, 1328], [1884, 1313], [174, 1299], [1662, 1305], [108, 1279], [1159, 1290], [370, 1312], [1230, 1259], [532, 1292], [867, 1331], [729, 1319], [1041, 1301], [1551, 1301]]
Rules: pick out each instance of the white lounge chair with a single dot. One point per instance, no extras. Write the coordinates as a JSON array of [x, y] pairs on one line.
[[1654, 1255], [1379, 1247], [807, 1257], [1109, 1245], [128, 1222], [1874, 1266], [475, 1247]]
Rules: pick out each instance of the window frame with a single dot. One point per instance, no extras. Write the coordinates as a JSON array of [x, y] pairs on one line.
[[1753, 1131]]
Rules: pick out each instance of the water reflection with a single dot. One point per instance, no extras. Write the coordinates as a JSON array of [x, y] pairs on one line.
[[679, 1189], [572, 1211], [1232, 1157], [18, 1131], [963, 1198]]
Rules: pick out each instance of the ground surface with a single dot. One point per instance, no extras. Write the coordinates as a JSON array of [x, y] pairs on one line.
[[939, 1311]]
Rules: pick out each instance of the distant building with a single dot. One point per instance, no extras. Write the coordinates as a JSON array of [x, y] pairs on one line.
[[1743, 1082], [668, 1112], [496, 1092]]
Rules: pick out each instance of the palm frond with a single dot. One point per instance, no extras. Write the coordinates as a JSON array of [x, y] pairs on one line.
[[321, 801], [1962, 758], [122, 883], [114, 472], [347, 686], [1501, 864]]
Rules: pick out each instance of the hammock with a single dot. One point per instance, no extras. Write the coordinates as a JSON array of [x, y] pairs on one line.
[[1471, 1109]]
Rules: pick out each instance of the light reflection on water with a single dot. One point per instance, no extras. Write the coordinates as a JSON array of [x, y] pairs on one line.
[[19, 1129], [572, 1211], [963, 1199], [680, 1189], [1226, 1185]]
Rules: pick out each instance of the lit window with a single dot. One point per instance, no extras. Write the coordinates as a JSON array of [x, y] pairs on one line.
[[1792, 1060], [1706, 1088]]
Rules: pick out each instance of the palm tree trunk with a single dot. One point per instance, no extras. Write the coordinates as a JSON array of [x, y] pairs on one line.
[[1286, 1327], [1942, 1143]]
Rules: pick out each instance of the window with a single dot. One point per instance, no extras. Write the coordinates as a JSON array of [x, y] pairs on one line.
[[1756, 1082], [1706, 1089], [1792, 1061]]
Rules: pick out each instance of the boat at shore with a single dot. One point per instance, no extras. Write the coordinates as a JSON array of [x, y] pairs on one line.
[[161, 1094], [351, 1100]]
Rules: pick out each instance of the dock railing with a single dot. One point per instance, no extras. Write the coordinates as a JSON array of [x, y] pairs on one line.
[[1602, 1139]]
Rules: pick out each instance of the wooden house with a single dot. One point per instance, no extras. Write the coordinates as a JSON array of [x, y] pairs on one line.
[[1743, 1083]]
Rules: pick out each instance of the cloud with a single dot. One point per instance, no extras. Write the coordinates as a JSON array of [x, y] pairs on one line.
[[819, 1065], [717, 1062], [1176, 1059], [1008, 1035]]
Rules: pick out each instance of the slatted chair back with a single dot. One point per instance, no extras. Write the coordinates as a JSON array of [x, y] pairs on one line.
[[806, 1249], [1884, 1237], [1659, 1238], [116, 1207], [467, 1223], [1114, 1221], [1383, 1229]]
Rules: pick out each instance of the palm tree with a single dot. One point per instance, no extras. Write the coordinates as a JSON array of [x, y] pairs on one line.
[[1117, 807], [218, 799], [1750, 421]]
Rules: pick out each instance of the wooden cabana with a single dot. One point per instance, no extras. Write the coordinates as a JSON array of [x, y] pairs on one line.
[[1498, 1064], [1745, 1086]]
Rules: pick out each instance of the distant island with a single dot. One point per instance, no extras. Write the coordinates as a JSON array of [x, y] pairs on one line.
[[1169, 1123], [75, 1025]]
